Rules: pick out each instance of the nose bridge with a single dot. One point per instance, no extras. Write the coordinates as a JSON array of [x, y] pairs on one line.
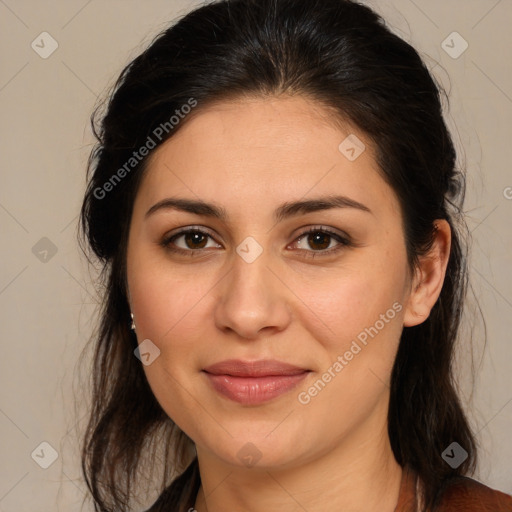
[[251, 299], [250, 274]]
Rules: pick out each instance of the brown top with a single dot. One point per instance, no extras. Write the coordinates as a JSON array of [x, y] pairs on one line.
[[407, 501], [462, 494]]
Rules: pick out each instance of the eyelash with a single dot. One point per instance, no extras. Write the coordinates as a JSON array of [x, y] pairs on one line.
[[343, 241]]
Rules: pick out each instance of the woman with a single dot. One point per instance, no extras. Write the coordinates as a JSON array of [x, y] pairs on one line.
[[275, 201]]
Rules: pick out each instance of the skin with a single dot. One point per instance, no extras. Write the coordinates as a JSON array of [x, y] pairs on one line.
[[250, 156]]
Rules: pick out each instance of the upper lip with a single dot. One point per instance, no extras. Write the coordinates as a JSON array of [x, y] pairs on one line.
[[259, 368]]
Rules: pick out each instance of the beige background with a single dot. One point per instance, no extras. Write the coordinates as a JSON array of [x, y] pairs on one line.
[[47, 307]]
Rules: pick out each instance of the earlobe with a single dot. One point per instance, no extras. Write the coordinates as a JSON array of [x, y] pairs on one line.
[[416, 314], [132, 324], [429, 277]]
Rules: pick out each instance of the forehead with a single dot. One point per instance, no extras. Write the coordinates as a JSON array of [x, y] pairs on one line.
[[255, 149], [262, 124]]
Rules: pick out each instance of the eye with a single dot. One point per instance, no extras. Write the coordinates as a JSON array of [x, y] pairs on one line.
[[320, 238], [194, 240]]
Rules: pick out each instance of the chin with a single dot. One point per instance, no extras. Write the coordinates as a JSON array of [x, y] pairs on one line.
[[263, 451]]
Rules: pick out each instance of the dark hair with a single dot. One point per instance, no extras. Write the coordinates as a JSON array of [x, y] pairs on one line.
[[340, 54]]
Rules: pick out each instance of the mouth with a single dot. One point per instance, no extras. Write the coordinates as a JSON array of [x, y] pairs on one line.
[[254, 382]]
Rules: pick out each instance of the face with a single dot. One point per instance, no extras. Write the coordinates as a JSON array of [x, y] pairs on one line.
[[253, 284]]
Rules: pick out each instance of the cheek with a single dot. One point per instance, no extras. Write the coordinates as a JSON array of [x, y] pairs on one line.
[[364, 316], [353, 301], [170, 309], [173, 308], [165, 298]]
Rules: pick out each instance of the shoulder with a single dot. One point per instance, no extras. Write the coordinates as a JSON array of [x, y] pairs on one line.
[[468, 495]]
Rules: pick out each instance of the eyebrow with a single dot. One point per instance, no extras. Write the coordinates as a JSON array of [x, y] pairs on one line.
[[284, 211]]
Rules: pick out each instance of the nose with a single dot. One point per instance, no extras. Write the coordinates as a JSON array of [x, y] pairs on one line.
[[252, 299]]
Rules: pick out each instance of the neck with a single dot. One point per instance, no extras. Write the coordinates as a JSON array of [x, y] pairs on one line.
[[359, 474]]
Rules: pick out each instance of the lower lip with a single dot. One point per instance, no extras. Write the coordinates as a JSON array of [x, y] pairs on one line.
[[254, 390]]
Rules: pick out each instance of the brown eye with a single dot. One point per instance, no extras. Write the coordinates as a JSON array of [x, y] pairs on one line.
[[193, 239], [319, 240]]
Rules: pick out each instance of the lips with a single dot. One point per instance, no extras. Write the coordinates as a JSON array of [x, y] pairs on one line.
[[260, 368], [254, 382]]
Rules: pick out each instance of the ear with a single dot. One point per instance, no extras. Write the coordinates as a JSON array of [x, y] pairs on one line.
[[429, 276]]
